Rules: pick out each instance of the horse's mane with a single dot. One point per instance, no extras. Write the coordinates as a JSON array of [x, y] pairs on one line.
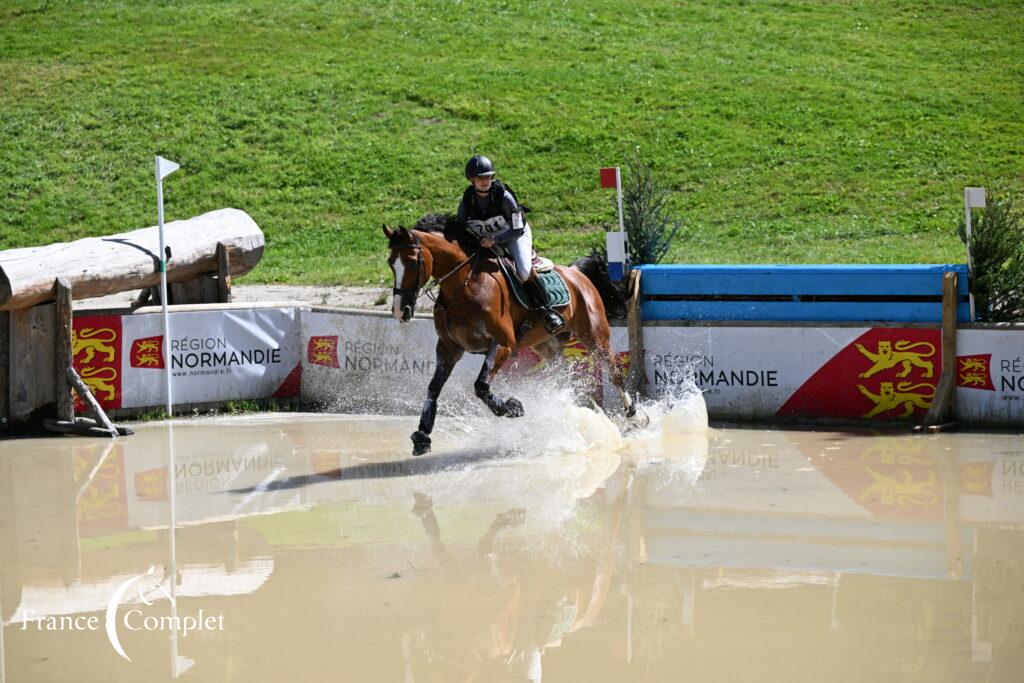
[[444, 224], [435, 222]]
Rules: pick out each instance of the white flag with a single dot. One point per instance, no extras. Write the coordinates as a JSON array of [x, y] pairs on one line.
[[165, 167]]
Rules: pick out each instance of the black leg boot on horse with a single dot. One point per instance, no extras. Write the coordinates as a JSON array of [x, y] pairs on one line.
[[446, 356], [553, 321], [510, 407]]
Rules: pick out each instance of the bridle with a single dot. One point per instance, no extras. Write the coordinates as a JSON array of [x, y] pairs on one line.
[[415, 291]]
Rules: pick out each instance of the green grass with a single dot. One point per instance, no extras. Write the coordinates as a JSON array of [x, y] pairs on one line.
[[788, 130]]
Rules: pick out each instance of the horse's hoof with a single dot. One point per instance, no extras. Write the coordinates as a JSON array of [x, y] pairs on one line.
[[420, 443], [631, 410], [513, 408]]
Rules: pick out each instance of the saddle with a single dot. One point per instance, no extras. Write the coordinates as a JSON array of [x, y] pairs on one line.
[[540, 264], [555, 290]]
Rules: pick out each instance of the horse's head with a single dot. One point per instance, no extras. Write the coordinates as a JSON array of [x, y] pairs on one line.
[[411, 263]]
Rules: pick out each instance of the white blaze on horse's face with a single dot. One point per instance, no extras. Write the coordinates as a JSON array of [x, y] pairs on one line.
[[396, 300]]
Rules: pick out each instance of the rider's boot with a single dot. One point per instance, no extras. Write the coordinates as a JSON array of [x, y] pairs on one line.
[[553, 321]]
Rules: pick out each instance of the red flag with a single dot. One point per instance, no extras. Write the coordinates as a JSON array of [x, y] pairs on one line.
[[609, 177]]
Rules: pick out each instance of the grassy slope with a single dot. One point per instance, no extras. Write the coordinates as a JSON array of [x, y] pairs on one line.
[[790, 131]]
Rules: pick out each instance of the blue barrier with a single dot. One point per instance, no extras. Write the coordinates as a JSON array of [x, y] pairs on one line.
[[880, 293]]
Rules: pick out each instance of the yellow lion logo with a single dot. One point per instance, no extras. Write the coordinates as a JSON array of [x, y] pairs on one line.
[[972, 364], [150, 345], [93, 341], [99, 379], [974, 379], [99, 503], [890, 399], [323, 358], [891, 491], [147, 360], [889, 356], [323, 344]]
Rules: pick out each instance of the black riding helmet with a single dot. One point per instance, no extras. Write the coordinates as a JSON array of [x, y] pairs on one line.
[[479, 166]]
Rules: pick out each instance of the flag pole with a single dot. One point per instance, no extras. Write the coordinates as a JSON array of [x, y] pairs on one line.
[[974, 197], [615, 242], [164, 168], [618, 192]]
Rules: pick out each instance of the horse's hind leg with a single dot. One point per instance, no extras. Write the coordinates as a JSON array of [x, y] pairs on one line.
[[617, 375], [447, 356], [594, 334], [495, 358]]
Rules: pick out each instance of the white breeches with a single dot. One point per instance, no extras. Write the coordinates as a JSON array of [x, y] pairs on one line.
[[521, 251]]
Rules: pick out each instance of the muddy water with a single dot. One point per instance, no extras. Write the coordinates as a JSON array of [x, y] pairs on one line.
[[311, 548]]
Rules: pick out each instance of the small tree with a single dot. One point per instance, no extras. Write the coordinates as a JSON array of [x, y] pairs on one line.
[[997, 251], [650, 228]]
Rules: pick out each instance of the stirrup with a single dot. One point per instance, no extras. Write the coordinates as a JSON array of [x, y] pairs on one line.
[[554, 322]]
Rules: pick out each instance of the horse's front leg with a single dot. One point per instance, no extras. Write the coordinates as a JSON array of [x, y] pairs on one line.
[[496, 357], [448, 354]]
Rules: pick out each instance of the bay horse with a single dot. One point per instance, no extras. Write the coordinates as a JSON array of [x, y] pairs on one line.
[[475, 312]]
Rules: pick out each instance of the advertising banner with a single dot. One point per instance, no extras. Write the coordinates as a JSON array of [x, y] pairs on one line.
[[990, 376], [370, 363], [374, 364], [843, 373], [215, 355]]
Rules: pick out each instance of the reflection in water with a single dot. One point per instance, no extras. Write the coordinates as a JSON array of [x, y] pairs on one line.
[[727, 554]]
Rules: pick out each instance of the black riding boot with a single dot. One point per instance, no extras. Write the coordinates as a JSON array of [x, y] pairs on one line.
[[553, 322]]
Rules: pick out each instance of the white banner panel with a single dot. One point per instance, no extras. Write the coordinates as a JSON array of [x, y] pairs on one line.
[[375, 364], [215, 356], [744, 372], [990, 376]]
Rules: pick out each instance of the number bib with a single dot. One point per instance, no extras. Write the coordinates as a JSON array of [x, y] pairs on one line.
[[488, 227]]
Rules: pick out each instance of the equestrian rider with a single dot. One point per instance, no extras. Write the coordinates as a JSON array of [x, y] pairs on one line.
[[490, 213]]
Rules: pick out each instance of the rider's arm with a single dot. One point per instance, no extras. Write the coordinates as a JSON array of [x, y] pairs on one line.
[[461, 216], [513, 217]]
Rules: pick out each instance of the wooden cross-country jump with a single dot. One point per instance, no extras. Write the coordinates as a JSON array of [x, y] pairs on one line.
[[39, 284]]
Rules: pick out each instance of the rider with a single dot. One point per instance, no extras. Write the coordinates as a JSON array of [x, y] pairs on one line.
[[490, 213]]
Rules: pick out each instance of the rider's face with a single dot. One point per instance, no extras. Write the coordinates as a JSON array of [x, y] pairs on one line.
[[481, 183]]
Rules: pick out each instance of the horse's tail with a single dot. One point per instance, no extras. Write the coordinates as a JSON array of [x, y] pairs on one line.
[[613, 295]]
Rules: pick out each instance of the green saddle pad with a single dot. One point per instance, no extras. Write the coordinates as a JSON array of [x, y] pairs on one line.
[[554, 287]]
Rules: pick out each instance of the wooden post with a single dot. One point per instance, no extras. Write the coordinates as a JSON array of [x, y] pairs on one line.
[[31, 367], [942, 412], [62, 349], [5, 359], [83, 391], [634, 322], [223, 273]]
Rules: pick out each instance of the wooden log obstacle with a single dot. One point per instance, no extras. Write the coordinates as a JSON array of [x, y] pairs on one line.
[[38, 286]]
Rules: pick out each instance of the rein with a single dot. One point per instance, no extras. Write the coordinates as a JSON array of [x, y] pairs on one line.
[[427, 293], [414, 291]]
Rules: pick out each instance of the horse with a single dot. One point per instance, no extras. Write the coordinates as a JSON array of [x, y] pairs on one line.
[[475, 312]]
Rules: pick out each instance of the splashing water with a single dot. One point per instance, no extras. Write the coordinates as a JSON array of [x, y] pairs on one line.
[[675, 431]]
